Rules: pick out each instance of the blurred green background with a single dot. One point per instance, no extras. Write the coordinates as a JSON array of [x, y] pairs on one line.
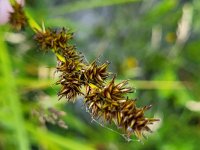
[[155, 44]]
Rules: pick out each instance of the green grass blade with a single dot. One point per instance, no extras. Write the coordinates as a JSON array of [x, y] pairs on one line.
[[10, 95], [58, 141]]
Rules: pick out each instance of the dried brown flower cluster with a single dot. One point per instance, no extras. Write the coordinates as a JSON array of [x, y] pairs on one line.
[[106, 101], [18, 18]]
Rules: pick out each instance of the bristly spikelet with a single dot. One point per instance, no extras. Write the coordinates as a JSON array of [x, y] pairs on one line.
[[70, 52], [94, 101], [70, 79], [70, 86], [116, 92], [71, 73], [132, 119], [53, 39], [17, 18], [96, 74], [69, 65]]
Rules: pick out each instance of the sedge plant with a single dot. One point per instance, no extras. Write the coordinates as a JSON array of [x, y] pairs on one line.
[[102, 96]]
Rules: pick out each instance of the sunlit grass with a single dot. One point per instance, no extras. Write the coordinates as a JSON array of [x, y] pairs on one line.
[[12, 98]]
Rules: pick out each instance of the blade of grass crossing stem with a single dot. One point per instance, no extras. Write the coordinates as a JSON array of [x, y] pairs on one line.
[[12, 97]]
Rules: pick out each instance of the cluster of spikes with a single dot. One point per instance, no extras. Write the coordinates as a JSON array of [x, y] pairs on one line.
[[105, 100]]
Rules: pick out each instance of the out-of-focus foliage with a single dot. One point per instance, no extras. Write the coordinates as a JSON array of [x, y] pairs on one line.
[[153, 43]]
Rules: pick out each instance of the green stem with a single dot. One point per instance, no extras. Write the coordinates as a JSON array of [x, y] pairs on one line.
[[12, 2], [32, 23], [10, 91]]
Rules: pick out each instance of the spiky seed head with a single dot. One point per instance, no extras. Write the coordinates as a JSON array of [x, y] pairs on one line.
[[96, 74], [70, 86], [133, 119], [53, 39], [17, 18], [69, 66]]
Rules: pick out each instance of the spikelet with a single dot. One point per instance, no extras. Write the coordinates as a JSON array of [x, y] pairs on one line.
[[96, 74], [69, 65], [70, 52], [17, 18], [53, 39], [94, 101], [70, 86], [132, 119], [70, 78]]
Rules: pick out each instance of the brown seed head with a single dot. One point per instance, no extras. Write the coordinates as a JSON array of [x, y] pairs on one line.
[[94, 101], [132, 119], [70, 52], [69, 66], [116, 92], [70, 86], [96, 74], [18, 18], [108, 99], [53, 39], [111, 104]]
